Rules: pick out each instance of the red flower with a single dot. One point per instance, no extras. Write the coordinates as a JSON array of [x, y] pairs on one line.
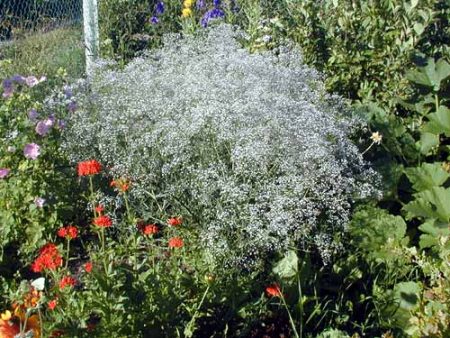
[[150, 229], [52, 304], [69, 232], [121, 184], [176, 242], [87, 168], [67, 281], [49, 259], [175, 221], [88, 267], [99, 208], [103, 221], [62, 232], [273, 290]]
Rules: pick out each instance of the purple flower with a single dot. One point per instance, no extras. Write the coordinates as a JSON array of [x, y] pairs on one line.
[[212, 14], [33, 114], [39, 202], [32, 151], [4, 172], [43, 127], [154, 20], [216, 3], [72, 106], [200, 4], [159, 10], [19, 79], [8, 88]]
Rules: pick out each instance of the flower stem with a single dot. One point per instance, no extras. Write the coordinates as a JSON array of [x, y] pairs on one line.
[[291, 320], [67, 253]]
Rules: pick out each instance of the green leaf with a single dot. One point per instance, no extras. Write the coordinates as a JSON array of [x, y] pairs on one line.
[[431, 75], [428, 141], [439, 122], [427, 176], [407, 294], [287, 267], [433, 203], [377, 233], [432, 230]]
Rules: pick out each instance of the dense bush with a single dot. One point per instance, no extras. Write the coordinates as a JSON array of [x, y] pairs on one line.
[[259, 159]]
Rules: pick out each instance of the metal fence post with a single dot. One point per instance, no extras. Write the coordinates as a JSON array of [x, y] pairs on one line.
[[91, 33]]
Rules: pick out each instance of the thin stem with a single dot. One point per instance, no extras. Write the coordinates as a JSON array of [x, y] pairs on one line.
[[365, 151], [300, 295], [67, 253], [91, 187], [291, 320]]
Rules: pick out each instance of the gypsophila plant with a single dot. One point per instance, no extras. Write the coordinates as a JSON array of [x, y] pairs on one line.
[[249, 145]]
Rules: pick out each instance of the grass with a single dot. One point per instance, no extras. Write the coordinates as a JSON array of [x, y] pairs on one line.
[[45, 53]]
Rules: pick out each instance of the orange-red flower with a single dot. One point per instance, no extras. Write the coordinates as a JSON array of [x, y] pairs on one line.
[[49, 259], [103, 221], [67, 281], [120, 184], [176, 242], [175, 221], [68, 232], [150, 229], [52, 304], [273, 290], [99, 209], [88, 267], [87, 168]]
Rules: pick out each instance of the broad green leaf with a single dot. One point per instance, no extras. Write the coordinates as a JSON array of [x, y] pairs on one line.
[[288, 266], [433, 203], [407, 294], [439, 121], [428, 141], [432, 230], [431, 75], [427, 176]]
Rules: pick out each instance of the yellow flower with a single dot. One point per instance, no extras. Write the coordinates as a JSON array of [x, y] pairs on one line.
[[186, 12], [188, 3], [6, 315]]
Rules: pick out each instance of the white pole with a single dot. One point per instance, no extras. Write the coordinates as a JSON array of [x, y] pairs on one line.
[[91, 34]]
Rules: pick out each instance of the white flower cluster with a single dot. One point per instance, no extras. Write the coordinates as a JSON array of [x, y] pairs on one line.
[[249, 144]]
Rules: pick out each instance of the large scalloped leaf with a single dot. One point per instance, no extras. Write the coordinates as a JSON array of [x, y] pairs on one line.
[[427, 176], [439, 122], [433, 203], [431, 75], [432, 231]]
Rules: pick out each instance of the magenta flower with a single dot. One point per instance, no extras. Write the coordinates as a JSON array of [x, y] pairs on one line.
[[4, 172], [43, 127], [32, 151], [39, 202]]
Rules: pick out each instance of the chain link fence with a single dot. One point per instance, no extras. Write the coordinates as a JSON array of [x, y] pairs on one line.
[[42, 36], [19, 18]]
